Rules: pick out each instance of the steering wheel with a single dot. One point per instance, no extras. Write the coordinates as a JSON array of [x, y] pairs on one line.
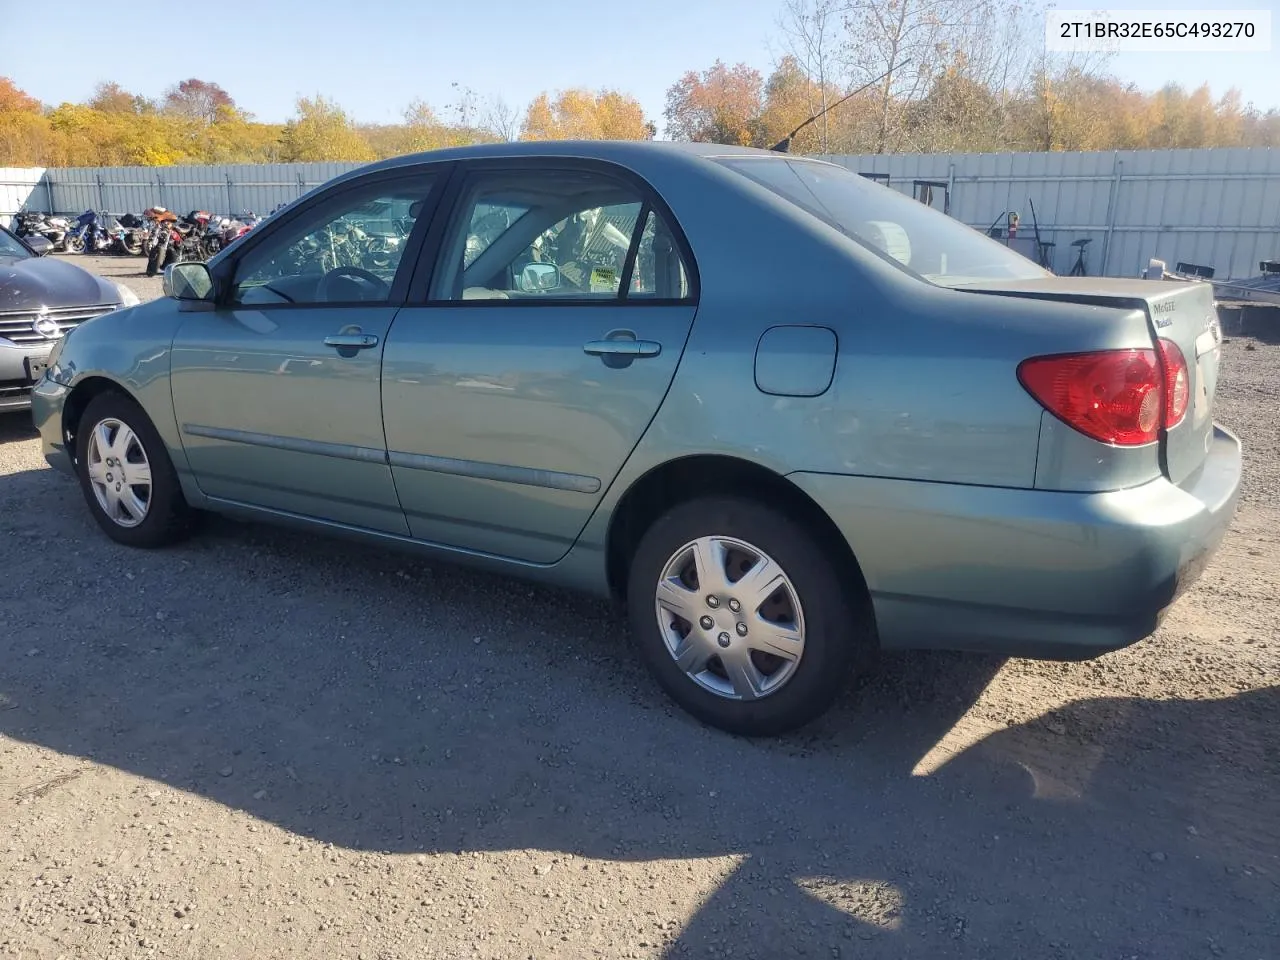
[[381, 286]]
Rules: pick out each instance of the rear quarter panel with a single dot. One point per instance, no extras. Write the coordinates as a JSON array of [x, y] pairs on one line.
[[925, 385]]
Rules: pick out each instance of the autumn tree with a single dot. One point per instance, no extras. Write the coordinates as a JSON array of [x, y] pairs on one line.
[[26, 139], [198, 100], [425, 130], [586, 115], [15, 100], [790, 98], [322, 131], [957, 113], [722, 104], [113, 98], [811, 32], [982, 85], [501, 119]]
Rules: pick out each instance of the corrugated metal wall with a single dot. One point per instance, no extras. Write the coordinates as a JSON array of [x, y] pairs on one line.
[[1219, 208], [230, 189], [17, 188]]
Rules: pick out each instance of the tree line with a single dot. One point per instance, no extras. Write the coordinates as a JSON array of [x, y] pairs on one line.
[[931, 76]]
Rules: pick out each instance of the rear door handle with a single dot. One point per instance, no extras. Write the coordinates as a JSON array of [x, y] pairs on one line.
[[351, 341], [622, 348]]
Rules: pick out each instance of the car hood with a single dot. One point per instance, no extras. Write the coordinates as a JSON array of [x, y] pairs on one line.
[[35, 282]]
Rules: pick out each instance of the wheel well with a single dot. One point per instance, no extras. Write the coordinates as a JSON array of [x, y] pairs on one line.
[[689, 477], [78, 400]]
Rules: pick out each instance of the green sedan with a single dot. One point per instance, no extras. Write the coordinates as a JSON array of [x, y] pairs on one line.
[[788, 416]]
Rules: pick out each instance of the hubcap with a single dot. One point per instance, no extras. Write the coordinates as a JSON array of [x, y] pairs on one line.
[[119, 472], [730, 617]]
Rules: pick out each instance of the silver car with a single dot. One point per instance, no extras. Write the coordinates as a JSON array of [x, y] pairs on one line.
[[40, 300]]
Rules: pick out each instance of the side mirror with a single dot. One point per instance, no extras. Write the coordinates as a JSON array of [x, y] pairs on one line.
[[188, 281], [539, 277], [40, 245]]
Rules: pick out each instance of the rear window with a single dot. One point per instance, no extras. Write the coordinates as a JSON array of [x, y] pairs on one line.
[[921, 240]]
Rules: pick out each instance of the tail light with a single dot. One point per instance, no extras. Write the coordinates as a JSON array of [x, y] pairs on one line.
[[1177, 383], [1121, 397]]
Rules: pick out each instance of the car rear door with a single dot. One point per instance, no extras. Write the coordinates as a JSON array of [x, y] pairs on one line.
[[278, 390], [559, 301]]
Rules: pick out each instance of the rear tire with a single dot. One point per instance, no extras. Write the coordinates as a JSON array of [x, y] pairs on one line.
[[126, 475], [769, 584]]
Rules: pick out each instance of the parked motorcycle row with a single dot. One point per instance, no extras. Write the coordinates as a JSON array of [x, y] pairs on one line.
[[160, 235]]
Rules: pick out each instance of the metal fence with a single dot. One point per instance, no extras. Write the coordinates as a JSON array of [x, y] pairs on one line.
[[229, 189], [1217, 208]]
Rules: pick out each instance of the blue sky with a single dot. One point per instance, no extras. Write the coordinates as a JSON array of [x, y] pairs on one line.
[[374, 58]]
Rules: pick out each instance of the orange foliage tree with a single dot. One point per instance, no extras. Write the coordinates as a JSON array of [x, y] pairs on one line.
[[973, 82], [586, 115]]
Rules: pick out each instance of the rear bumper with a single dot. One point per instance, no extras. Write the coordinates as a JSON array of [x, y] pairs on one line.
[[1030, 573]]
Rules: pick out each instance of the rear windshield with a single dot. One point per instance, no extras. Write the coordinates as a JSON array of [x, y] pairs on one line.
[[918, 238]]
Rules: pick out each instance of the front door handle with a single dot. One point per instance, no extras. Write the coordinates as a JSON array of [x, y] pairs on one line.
[[622, 348], [351, 341]]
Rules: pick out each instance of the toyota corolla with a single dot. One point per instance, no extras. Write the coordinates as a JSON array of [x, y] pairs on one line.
[[788, 416]]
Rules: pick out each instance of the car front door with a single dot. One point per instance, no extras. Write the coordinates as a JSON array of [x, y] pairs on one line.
[[277, 390], [559, 304]]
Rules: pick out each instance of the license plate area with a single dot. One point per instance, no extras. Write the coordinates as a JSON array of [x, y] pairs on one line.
[[36, 366]]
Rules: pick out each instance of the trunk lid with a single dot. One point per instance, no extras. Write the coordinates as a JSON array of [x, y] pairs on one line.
[[1181, 312]]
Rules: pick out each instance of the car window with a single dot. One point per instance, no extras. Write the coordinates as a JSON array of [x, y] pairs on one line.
[[543, 234], [660, 270], [924, 241], [345, 250], [10, 247], [488, 222]]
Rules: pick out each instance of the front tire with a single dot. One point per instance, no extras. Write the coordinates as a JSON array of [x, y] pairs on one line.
[[154, 256], [742, 617], [126, 475]]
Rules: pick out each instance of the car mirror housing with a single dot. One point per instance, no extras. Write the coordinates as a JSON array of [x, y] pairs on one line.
[[539, 277], [188, 282], [39, 245]]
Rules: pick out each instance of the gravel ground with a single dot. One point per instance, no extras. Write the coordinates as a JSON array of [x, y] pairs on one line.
[[262, 744]]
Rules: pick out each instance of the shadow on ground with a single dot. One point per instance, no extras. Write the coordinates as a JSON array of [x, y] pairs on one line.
[[1257, 323], [17, 426], [385, 705]]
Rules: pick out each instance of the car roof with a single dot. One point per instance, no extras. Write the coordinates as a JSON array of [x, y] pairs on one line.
[[627, 152]]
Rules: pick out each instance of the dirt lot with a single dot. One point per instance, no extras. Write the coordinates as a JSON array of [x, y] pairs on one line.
[[267, 745]]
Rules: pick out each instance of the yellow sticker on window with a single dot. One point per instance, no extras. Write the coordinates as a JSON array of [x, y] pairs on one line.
[[603, 280]]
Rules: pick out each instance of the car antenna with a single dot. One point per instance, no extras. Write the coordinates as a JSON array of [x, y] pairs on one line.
[[784, 145]]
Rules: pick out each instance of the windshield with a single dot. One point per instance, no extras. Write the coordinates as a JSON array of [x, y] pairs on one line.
[[10, 247], [918, 238]]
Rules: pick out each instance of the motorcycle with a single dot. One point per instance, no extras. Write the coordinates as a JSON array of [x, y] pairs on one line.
[[196, 241], [234, 229], [152, 224], [53, 229], [163, 239], [89, 234], [179, 240], [131, 236]]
